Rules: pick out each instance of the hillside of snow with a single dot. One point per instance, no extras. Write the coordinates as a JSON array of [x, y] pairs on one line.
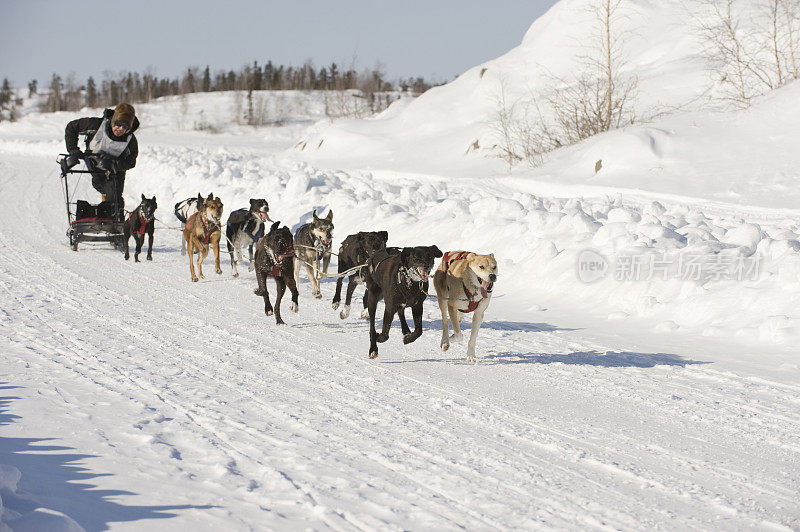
[[637, 367]]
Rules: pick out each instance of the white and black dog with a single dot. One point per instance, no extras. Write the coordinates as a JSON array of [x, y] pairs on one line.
[[245, 227], [184, 210]]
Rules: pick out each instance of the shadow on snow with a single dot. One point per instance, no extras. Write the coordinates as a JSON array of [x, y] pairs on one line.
[[59, 482]]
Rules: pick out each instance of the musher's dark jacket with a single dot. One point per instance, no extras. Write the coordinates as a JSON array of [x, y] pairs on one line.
[[89, 126]]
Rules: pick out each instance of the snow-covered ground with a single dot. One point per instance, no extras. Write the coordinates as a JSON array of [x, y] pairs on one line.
[[637, 368]]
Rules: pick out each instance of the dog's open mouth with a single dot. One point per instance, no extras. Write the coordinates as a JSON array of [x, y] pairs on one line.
[[486, 288], [264, 216], [423, 273]]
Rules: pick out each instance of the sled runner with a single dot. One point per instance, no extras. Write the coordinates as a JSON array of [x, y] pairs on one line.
[[88, 222]]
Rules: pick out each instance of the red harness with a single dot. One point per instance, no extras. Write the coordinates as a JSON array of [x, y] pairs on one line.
[[205, 229], [142, 222], [276, 268], [449, 257]]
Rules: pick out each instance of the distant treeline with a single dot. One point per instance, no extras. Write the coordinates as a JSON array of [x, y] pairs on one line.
[[67, 94]]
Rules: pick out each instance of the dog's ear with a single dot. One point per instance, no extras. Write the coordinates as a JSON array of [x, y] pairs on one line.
[[252, 203], [143, 198], [199, 201], [383, 235], [274, 226], [330, 216], [314, 214], [435, 251]]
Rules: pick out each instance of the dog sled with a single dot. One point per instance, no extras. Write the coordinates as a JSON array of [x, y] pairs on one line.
[[88, 222]]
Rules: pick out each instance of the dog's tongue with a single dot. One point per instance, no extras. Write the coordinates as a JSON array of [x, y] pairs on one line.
[[423, 274], [264, 217], [485, 288]]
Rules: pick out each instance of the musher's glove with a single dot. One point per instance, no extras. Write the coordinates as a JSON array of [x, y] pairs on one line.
[[73, 158]]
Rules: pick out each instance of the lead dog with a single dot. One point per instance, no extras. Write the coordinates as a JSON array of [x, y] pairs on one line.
[[184, 210], [400, 278], [139, 222], [275, 258], [244, 228], [203, 230], [355, 251], [312, 242], [463, 284]]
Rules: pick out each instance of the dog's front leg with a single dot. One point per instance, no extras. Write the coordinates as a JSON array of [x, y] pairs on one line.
[[215, 238], [401, 313], [337, 294], [281, 289], [262, 283], [125, 237], [150, 231], [443, 307], [326, 260], [139, 239], [202, 254], [351, 287], [372, 307], [252, 265], [416, 311], [456, 336], [314, 282], [477, 320], [235, 256], [190, 252], [294, 305], [389, 309]]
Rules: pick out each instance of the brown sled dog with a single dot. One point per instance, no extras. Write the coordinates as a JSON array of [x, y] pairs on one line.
[[203, 230], [464, 284]]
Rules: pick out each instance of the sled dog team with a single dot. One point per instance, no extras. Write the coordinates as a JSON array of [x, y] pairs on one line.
[[398, 276]]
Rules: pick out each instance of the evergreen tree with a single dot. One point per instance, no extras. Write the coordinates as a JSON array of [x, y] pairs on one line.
[[32, 88], [91, 92], [206, 80]]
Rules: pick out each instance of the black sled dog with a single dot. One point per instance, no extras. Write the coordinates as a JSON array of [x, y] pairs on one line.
[[140, 222], [275, 258], [400, 278], [354, 251], [245, 227]]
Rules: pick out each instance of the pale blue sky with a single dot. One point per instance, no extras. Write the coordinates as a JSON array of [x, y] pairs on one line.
[[436, 39]]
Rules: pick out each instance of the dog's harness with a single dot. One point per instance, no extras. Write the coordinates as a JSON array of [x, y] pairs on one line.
[[319, 246], [277, 260], [142, 221], [206, 230], [449, 257]]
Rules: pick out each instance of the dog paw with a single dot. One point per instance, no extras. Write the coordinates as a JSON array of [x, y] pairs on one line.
[[251, 267], [268, 312], [471, 359], [149, 257], [127, 256], [194, 279], [218, 270], [345, 312], [373, 354], [293, 306], [445, 346], [317, 295], [381, 338], [258, 292], [335, 305], [365, 314], [136, 259], [280, 322], [236, 274]]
